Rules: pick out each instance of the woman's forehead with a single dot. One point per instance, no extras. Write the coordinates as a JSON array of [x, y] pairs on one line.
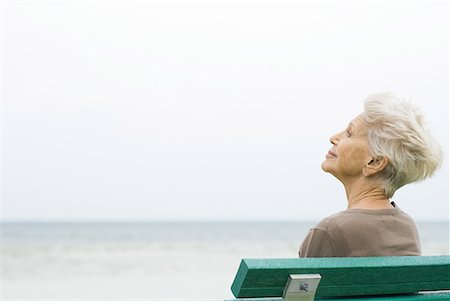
[[358, 124]]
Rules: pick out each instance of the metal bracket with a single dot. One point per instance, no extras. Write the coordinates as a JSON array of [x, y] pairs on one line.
[[301, 287]]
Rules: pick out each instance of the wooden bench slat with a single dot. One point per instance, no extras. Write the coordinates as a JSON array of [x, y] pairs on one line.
[[342, 277]]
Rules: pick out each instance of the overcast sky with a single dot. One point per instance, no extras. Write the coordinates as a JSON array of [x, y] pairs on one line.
[[206, 110]]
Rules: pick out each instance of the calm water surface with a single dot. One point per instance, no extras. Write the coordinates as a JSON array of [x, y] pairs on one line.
[[154, 261]]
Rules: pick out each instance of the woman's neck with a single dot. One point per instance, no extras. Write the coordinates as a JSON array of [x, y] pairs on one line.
[[367, 197]]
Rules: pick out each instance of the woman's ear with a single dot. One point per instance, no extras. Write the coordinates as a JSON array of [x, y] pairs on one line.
[[374, 165]]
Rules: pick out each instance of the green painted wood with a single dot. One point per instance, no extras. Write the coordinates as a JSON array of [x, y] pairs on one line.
[[343, 277], [429, 296]]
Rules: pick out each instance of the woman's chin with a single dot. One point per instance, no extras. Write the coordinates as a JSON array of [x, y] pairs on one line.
[[325, 166]]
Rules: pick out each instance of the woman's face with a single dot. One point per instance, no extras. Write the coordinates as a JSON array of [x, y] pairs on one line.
[[350, 151]]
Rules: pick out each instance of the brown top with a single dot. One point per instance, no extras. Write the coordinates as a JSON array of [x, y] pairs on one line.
[[361, 232]]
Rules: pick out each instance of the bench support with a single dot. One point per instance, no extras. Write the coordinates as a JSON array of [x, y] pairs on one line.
[[301, 287]]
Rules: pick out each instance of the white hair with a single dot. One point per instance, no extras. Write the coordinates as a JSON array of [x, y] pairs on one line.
[[397, 131]]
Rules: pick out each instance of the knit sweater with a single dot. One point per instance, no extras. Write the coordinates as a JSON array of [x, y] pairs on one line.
[[361, 232]]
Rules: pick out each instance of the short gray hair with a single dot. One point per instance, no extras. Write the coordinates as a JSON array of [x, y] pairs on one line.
[[398, 132]]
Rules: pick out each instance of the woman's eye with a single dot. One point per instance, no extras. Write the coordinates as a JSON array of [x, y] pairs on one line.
[[348, 133]]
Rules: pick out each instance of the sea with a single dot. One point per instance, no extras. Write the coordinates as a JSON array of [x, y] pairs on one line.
[[148, 261]]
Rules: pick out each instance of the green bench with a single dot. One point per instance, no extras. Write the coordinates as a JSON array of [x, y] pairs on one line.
[[401, 278]]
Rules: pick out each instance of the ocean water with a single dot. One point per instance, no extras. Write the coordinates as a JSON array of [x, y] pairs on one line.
[[151, 261]]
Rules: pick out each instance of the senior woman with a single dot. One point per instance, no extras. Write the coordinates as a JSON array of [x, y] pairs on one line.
[[382, 149]]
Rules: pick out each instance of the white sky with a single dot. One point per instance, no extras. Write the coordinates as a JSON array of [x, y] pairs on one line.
[[205, 110]]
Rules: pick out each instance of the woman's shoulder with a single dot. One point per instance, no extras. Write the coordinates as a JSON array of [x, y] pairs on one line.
[[331, 221], [355, 217]]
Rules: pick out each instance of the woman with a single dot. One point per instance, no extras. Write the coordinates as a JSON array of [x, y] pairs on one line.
[[382, 149]]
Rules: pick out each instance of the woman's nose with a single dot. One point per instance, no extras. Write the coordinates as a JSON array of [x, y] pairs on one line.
[[334, 139]]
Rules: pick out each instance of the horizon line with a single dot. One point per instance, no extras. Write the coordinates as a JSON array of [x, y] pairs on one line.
[[242, 221]]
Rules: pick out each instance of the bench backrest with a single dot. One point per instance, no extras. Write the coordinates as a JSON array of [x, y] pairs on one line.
[[355, 276]]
